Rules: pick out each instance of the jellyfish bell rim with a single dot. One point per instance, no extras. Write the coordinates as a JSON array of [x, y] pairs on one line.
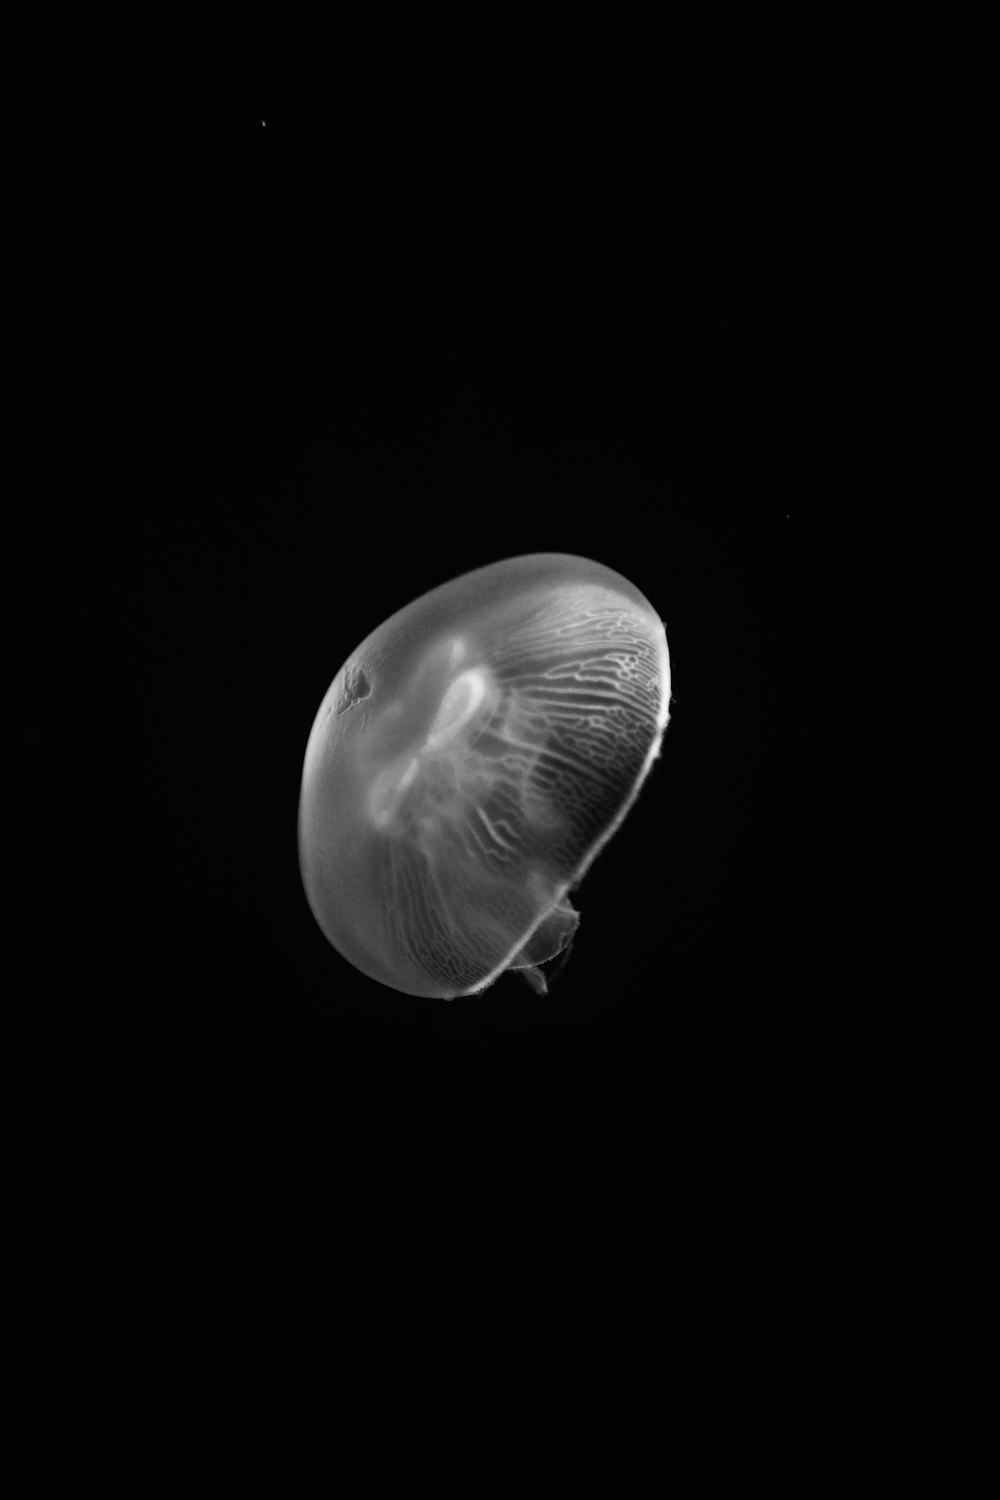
[[538, 560]]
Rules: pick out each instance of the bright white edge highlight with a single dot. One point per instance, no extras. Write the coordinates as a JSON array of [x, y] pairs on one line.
[[663, 719]]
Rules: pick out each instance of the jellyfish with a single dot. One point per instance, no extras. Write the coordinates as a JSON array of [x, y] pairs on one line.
[[469, 761]]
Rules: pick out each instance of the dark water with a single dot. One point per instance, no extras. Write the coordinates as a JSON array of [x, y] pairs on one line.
[[303, 332]]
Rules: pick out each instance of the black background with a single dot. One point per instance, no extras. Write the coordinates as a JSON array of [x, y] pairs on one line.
[[302, 330]]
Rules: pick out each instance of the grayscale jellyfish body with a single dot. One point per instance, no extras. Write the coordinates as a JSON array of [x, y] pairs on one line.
[[469, 761]]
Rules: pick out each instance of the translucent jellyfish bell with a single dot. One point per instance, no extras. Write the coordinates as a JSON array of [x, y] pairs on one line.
[[468, 762]]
